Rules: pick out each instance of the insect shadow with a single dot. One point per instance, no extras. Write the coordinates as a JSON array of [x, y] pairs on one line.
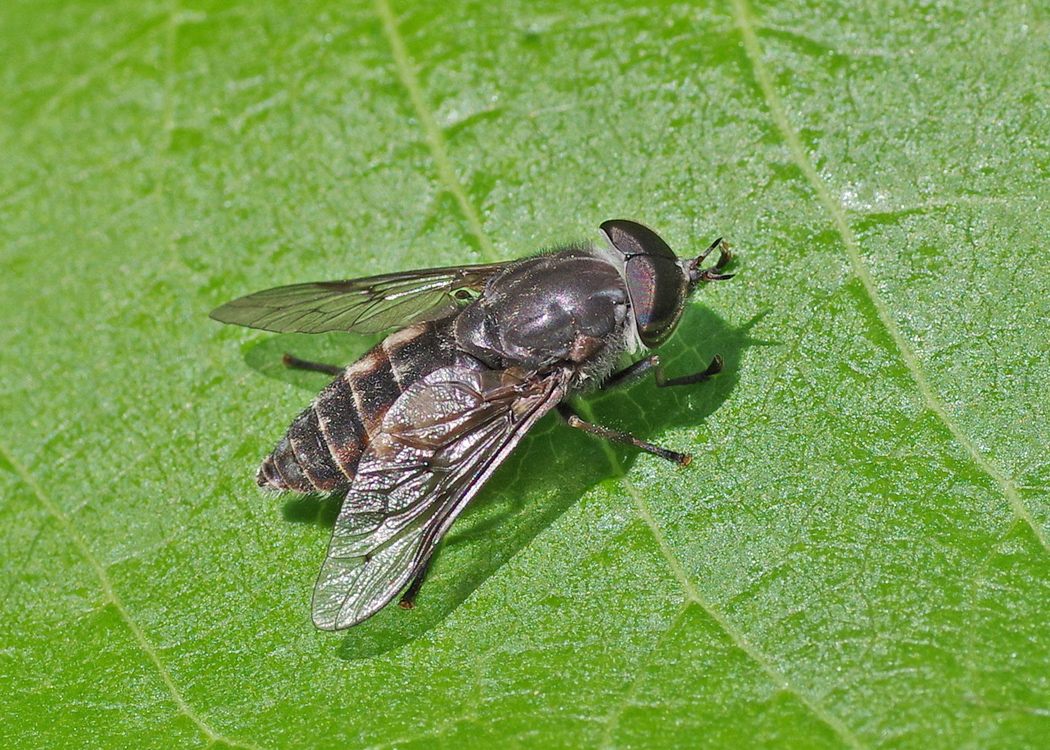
[[552, 468]]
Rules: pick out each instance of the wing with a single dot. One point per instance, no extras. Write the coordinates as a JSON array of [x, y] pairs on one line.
[[438, 444], [368, 305]]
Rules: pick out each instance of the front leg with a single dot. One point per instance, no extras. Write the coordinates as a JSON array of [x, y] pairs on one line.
[[634, 371], [631, 373]]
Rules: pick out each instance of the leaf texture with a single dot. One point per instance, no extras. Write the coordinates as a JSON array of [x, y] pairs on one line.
[[858, 555]]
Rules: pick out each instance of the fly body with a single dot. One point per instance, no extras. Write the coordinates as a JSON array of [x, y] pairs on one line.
[[323, 445], [410, 433]]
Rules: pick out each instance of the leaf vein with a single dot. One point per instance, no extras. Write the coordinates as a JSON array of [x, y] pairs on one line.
[[692, 594], [114, 599], [612, 720], [18, 574], [742, 14], [433, 134]]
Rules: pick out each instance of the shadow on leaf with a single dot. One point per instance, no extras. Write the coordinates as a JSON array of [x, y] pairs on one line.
[[551, 469]]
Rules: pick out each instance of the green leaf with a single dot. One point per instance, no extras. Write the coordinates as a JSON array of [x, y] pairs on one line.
[[858, 555]]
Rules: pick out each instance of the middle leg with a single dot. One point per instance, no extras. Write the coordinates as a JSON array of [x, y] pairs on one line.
[[573, 420]]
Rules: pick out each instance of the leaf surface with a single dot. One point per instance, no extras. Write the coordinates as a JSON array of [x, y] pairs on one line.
[[858, 555]]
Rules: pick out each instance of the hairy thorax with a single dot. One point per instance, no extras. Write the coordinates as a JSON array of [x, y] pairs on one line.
[[566, 310]]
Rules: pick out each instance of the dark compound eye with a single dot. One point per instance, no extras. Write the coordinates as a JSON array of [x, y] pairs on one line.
[[631, 238], [657, 295], [656, 283]]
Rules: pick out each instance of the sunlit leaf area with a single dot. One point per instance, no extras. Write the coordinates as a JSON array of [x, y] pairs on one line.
[[858, 555]]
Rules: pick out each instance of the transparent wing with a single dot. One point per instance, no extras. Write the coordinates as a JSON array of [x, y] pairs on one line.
[[369, 305], [438, 444]]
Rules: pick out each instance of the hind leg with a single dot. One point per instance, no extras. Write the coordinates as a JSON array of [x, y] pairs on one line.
[[301, 364]]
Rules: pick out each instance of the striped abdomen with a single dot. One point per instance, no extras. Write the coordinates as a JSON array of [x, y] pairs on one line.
[[321, 449]]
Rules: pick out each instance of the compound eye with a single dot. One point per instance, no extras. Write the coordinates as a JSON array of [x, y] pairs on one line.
[[656, 283], [658, 289], [631, 238]]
